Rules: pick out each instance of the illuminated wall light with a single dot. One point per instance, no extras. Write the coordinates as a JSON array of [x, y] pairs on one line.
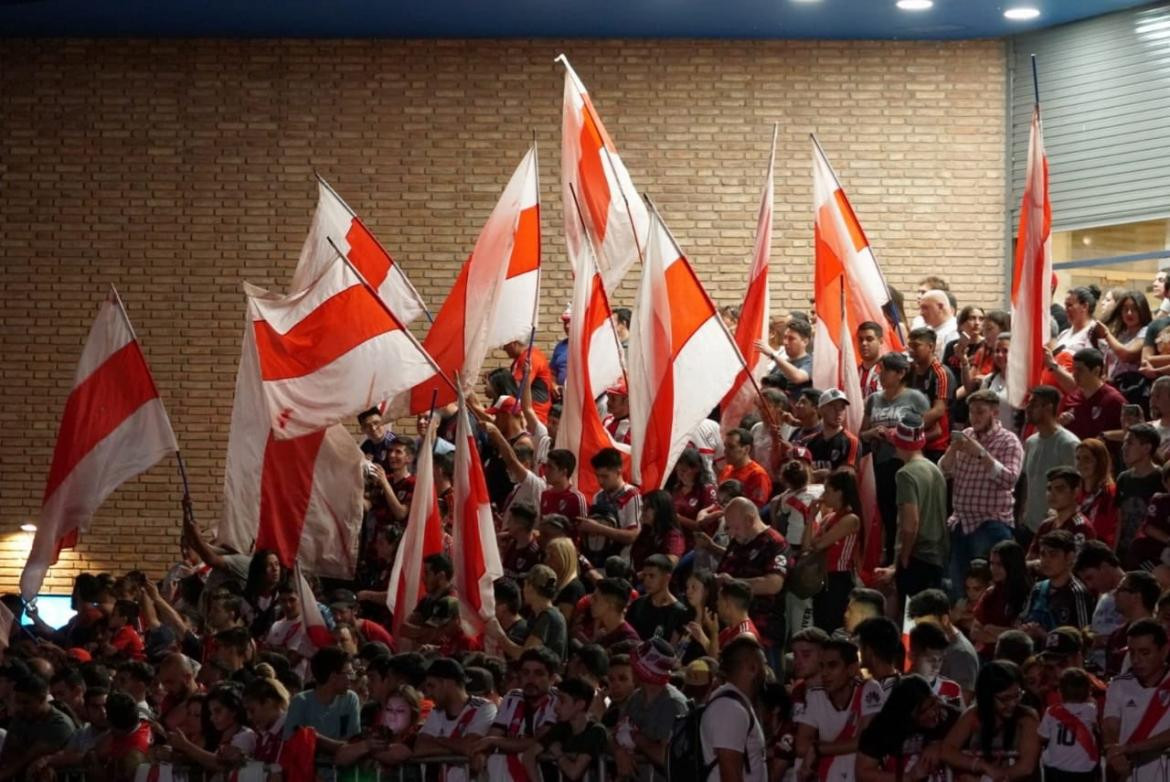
[[28, 527], [1021, 14], [915, 5]]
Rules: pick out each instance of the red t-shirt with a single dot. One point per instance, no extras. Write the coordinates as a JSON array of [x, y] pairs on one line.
[[746, 627], [688, 503], [567, 502], [1099, 413], [1100, 508], [543, 382], [129, 643], [757, 484], [372, 631]]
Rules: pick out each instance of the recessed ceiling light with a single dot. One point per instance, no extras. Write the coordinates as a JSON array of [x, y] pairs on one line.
[[1021, 14], [915, 5], [28, 527]]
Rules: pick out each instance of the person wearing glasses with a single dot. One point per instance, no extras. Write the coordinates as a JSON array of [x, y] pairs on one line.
[[996, 736]]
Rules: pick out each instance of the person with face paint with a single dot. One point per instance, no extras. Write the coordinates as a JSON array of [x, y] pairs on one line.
[[904, 741]]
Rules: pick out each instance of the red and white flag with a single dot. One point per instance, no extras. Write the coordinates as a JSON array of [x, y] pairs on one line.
[[494, 299], [682, 360], [616, 219], [593, 365], [1031, 281], [335, 222], [422, 538], [114, 427], [848, 283], [331, 351], [311, 616], [475, 552], [753, 315]]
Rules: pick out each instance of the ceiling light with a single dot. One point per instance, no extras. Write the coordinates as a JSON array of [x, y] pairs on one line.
[[1021, 14], [28, 527], [915, 5]]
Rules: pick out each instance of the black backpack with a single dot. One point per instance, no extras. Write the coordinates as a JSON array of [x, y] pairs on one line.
[[684, 755]]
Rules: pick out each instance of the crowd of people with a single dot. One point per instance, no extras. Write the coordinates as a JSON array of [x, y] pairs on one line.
[[993, 602]]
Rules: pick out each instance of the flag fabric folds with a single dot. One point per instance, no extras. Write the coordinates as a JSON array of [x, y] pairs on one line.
[[475, 551], [330, 351], [593, 366], [592, 173], [753, 315], [336, 226], [1032, 275], [847, 281], [494, 299], [311, 616], [682, 360], [423, 537], [114, 427]]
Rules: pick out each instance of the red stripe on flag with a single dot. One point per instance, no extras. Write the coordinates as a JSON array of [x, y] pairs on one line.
[[526, 247], [594, 187], [689, 306], [286, 485], [98, 406], [366, 254], [472, 555], [660, 424], [445, 344], [338, 325]]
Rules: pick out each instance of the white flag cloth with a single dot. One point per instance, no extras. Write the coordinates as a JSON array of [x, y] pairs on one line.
[[616, 219], [311, 617], [682, 360], [329, 352], [114, 427], [754, 315], [422, 538], [1032, 278], [494, 298], [475, 552], [335, 221]]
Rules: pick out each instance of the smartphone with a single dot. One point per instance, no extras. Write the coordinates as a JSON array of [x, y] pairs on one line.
[[1056, 351]]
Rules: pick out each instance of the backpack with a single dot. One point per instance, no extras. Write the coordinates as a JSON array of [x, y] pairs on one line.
[[684, 755]]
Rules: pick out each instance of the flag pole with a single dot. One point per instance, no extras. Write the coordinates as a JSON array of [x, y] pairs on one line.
[[765, 410], [393, 264], [608, 155], [386, 307], [1035, 83], [188, 510], [589, 241], [539, 237], [897, 324]]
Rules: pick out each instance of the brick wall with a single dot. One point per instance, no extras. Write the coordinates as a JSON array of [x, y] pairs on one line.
[[178, 169]]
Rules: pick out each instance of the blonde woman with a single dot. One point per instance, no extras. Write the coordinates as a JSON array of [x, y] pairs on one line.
[[561, 555]]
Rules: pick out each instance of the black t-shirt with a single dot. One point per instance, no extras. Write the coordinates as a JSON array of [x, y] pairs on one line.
[[1133, 498], [552, 631], [651, 620], [592, 741], [571, 592]]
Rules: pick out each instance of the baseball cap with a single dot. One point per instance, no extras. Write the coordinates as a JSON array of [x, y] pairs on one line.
[[342, 597], [446, 668], [618, 389], [1063, 642], [832, 395]]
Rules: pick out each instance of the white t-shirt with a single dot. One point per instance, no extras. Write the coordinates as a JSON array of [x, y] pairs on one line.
[[1127, 700], [729, 723], [527, 491], [708, 441], [477, 723], [1072, 341], [290, 635], [819, 712], [1063, 751]]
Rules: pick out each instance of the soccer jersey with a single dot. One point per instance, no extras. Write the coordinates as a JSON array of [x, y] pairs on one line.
[[567, 502], [1134, 704], [628, 503], [518, 560], [1071, 731], [756, 483], [838, 450], [474, 719], [948, 691], [763, 555], [833, 725], [518, 718]]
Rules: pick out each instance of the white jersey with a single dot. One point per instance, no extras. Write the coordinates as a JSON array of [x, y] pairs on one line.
[[832, 724], [729, 723], [1127, 700], [516, 719], [474, 719], [289, 635], [1066, 749], [708, 441], [527, 491]]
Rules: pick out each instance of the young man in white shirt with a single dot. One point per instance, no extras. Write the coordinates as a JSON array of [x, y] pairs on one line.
[[732, 738], [458, 721], [1136, 723]]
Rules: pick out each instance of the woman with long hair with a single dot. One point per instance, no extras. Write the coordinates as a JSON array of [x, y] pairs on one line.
[[912, 720], [1003, 602], [996, 736], [266, 704], [226, 735], [660, 533], [265, 574], [1120, 333], [692, 488], [839, 537], [703, 624], [1098, 494], [963, 351], [561, 555]]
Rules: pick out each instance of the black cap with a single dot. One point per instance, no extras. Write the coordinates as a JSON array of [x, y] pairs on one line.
[[342, 597], [446, 668]]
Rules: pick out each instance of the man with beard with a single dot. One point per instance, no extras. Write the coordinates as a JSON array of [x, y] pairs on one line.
[[523, 718]]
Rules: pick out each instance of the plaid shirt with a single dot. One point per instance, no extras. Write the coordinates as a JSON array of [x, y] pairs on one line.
[[982, 491]]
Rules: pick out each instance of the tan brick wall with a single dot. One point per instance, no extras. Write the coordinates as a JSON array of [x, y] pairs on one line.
[[179, 169]]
